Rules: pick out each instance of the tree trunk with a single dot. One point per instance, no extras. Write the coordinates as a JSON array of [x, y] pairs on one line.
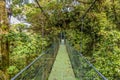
[[4, 28]]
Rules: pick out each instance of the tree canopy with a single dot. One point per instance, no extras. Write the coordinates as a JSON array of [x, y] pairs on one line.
[[92, 27]]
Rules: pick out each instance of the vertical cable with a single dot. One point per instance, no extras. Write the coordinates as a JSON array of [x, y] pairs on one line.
[[42, 36], [81, 30], [81, 46]]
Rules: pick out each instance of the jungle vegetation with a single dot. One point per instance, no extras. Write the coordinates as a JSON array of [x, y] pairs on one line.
[[96, 35]]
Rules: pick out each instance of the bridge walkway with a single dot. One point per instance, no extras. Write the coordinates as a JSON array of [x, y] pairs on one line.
[[62, 68]]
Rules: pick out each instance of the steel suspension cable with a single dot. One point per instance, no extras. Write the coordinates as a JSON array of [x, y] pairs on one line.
[[84, 15], [40, 7], [82, 20], [43, 23]]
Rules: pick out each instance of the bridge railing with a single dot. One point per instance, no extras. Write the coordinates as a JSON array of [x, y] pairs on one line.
[[40, 68], [82, 68]]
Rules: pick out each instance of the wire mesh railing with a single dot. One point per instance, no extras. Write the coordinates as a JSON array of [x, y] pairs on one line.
[[82, 68], [40, 68]]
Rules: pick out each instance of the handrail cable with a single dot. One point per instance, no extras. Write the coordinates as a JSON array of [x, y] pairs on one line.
[[86, 60], [27, 67], [93, 67], [82, 19]]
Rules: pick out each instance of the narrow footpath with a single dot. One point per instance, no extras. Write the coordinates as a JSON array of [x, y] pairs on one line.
[[62, 69]]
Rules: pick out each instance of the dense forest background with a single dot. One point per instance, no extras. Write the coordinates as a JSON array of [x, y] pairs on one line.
[[96, 34]]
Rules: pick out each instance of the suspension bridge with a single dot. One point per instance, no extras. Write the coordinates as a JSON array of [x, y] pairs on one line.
[[60, 62]]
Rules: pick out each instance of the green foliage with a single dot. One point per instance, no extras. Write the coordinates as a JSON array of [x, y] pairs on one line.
[[3, 27], [16, 10], [12, 69], [99, 39], [24, 48]]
